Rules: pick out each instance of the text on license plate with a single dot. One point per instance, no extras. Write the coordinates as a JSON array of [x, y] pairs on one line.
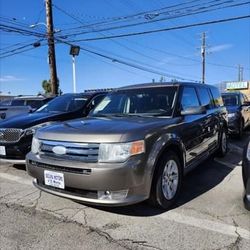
[[54, 179]]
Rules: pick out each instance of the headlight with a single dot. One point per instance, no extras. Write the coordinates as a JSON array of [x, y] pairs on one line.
[[231, 115], [32, 130], [120, 152], [248, 151], [35, 146]]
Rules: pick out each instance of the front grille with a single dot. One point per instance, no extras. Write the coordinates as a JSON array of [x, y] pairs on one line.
[[10, 134], [84, 152], [84, 171]]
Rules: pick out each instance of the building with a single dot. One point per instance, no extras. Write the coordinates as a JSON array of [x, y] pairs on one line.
[[242, 86]]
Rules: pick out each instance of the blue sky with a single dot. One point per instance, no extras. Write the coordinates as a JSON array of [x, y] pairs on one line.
[[174, 52]]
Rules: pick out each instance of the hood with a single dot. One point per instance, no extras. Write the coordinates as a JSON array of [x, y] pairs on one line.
[[28, 120], [97, 130], [232, 109]]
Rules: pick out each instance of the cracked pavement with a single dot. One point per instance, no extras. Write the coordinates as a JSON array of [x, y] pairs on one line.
[[208, 215]]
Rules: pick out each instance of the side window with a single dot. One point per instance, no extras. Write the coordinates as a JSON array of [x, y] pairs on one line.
[[17, 102], [216, 97], [242, 100], [205, 98], [245, 98], [189, 98], [96, 100], [34, 103]]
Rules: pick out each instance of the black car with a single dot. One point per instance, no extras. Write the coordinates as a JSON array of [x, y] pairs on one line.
[[246, 175], [16, 132], [238, 107], [137, 144]]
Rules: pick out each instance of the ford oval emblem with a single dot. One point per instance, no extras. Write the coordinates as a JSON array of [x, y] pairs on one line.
[[59, 150]]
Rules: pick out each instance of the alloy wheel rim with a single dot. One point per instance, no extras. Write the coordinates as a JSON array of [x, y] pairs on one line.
[[170, 179]]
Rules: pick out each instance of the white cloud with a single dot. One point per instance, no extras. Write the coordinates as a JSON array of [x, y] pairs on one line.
[[219, 48], [9, 78]]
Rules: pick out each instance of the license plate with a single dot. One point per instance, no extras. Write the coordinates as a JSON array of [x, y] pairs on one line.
[[54, 179], [2, 150]]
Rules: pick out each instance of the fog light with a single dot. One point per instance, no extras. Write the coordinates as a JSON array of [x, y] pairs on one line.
[[112, 195]]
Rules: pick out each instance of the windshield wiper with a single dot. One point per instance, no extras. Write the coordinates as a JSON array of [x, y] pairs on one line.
[[162, 114], [101, 115], [127, 115]]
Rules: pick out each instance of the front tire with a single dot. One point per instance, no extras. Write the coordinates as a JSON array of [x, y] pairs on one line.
[[223, 144], [167, 181]]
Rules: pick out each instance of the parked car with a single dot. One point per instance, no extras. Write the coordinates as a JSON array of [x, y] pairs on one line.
[[21, 105], [16, 132], [137, 144], [238, 107], [246, 175]]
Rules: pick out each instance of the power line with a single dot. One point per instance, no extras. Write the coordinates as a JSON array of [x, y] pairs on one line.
[[116, 42], [18, 51], [16, 44], [126, 18], [124, 46], [133, 65], [136, 61], [186, 13], [9, 28], [165, 29]]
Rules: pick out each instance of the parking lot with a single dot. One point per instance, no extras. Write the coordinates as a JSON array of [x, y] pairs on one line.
[[209, 214]]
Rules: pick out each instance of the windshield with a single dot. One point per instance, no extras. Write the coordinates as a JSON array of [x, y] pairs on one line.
[[231, 100], [64, 103], [142, 102]]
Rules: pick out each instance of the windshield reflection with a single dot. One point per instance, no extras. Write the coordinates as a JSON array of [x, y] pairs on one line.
[[64, 103], [138, 102]]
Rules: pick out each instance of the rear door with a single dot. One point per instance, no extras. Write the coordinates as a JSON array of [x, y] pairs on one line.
[[192, 127], [211, 120]]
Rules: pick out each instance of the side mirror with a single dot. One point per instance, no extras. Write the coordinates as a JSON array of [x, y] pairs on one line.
[[197, 110]]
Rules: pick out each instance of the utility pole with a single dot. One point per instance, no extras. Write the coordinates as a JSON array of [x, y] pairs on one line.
[[203, 56], [240, 73], [51, 48]]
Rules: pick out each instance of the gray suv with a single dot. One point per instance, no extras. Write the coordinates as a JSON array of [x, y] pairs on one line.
[[137, 144]]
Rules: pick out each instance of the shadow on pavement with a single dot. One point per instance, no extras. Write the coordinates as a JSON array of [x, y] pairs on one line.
[[20, 166], [202, 179], [199, 181]]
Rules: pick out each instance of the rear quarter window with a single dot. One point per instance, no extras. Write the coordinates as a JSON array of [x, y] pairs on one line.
[[216, 97], [205, 97], [35, 104], [17, 102]]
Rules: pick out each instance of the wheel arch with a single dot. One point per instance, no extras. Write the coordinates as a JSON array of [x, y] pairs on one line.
[[174, 145]]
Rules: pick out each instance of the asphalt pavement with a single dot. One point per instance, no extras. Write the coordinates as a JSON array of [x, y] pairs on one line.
[[208, 215]]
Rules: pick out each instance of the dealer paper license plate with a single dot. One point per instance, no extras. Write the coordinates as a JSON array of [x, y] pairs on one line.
[[2, 150], [54, 179]]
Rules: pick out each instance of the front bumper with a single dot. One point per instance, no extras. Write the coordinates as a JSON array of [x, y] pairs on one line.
[[85, 180], [16, 152]]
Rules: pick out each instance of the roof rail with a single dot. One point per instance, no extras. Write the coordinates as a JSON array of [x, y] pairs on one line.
[[98, 90]]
